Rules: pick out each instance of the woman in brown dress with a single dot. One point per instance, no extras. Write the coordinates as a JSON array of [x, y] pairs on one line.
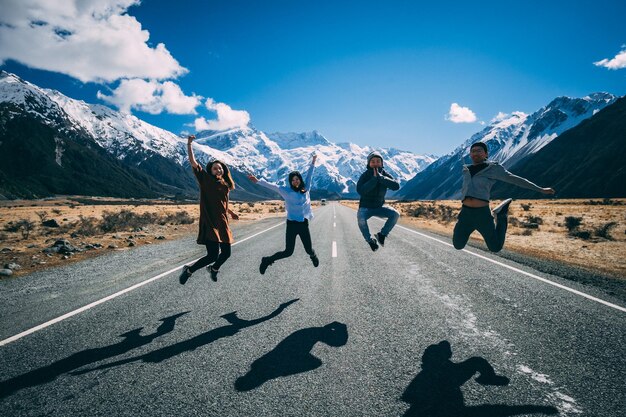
[[215, 184]]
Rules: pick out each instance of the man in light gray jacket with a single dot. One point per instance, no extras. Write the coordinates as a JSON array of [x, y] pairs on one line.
[[478, 178]]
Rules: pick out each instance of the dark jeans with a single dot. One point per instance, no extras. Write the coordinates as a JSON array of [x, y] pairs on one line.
[[215, 252], [294, 229], [480, 219]]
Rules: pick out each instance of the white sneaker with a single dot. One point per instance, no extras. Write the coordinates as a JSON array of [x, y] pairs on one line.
[[502, 207]]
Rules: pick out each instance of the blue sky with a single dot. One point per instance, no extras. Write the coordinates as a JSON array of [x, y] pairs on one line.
[[373, 73]]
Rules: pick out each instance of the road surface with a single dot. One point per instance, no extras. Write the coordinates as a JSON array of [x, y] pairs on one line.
[[401, 331]]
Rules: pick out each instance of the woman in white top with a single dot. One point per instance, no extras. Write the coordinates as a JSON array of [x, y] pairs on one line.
[[298, 206]]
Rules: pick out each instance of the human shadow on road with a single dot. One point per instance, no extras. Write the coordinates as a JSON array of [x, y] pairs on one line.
[[132, 340], [292, 355], [159, 355], [436, 390]]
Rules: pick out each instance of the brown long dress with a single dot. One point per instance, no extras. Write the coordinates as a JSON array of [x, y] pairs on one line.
[[213, 209]]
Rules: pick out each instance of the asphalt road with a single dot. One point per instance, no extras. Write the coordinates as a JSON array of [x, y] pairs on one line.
[[402, 331]]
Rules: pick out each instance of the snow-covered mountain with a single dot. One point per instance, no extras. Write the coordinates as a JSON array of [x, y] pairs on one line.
[[247, 150], [115, 131], [586, 161], [338, 168], [63, 144], [510, 139], [519, 135]]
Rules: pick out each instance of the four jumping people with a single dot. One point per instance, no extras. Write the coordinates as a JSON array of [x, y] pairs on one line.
[[216, 182]]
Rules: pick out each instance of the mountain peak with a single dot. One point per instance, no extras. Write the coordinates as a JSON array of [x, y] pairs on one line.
[[291, 140], [600, 96], [571, 102]]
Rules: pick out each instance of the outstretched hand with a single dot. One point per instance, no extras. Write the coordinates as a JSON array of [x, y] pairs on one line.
[[253, 178], [313, 159], [191, 138]]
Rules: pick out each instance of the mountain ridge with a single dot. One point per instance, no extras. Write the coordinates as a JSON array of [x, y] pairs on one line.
[[510, 140], [162, 155]]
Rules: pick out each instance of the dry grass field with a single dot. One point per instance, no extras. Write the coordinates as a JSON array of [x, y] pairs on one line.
[[96, 225], [590, 234]]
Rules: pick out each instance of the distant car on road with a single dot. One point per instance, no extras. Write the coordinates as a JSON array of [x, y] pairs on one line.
[[323, 201]]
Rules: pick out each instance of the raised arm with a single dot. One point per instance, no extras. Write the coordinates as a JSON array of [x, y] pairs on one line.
[[503, 175], [192, 158], [309, 174], [265, 184]]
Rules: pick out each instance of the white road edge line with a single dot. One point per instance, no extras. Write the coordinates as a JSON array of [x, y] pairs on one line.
[[110, 297], [547, 281], [334, 249]]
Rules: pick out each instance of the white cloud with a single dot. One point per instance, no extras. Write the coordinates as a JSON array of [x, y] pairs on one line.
[[227, 118], [91, 40], [504, 116], [96, 40], [499, 117], [152, 97], [618, 62], [458, 114]]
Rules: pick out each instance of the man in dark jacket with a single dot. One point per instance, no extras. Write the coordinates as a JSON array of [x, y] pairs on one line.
[[372, 187]]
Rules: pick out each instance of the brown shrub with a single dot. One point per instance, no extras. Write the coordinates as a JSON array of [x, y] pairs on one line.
[[180, 217], [604, 231], [572, 223], [126, 220], [534, 219], [43, 215], [87, 226]]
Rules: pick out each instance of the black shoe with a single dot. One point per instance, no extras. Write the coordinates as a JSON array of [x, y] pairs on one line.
[[373, 244], [184, 275], [381, 238], [503, 208], [315, 260], [213, 273], [265, 262]]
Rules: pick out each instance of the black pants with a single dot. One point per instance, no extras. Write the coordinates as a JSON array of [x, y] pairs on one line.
[[215, 252], [480, 219], [294, 229]]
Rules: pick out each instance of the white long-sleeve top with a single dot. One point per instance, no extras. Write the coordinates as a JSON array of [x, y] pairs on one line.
[[297, 204]]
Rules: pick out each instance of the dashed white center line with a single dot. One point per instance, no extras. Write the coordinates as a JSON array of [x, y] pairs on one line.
[[334, 249]]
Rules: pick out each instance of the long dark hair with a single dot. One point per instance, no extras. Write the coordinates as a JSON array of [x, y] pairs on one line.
[[302, 187], [226, 179]]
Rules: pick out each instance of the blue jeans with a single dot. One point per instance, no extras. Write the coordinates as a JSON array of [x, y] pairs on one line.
[[387, 212]]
